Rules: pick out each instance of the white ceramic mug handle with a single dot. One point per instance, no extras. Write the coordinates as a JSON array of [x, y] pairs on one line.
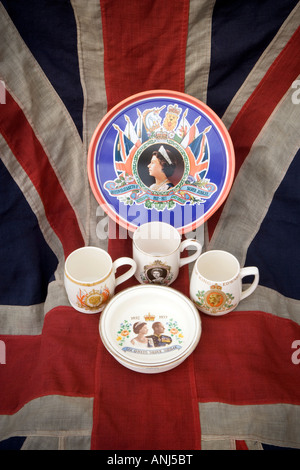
[[250, 271], [185, 244], [120, 262]]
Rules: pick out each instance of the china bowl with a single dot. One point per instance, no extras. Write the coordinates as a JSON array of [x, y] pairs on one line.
[[150, 329]]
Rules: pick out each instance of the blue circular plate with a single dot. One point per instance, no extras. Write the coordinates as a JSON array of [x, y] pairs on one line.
[[184, 184]]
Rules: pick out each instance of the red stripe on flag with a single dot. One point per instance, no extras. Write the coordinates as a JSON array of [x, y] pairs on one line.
[[142, 411], [150, 56], [28, 150], [151, 53], [241, 445], [241, 356], [260, 105], [59, 361]]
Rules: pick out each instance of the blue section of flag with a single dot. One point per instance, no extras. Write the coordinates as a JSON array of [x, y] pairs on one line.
[[275, 249], [241, 31], [14, 443], [27, 262]]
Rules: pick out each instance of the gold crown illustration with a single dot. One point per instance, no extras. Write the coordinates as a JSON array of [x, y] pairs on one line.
[[149, 317], [161, 135], [174, 109], [216, 286]]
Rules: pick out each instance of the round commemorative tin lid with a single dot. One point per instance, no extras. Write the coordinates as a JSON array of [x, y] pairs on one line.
[[150, 326], [188, 180]]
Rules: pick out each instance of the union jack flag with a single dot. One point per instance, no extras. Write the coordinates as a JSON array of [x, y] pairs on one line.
[[63, 65]]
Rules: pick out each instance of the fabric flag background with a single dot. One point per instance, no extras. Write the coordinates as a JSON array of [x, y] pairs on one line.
[[63, 65]]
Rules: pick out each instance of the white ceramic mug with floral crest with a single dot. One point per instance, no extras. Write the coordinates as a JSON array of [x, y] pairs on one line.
[[156, 250], [216, 282], [90, 279]]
